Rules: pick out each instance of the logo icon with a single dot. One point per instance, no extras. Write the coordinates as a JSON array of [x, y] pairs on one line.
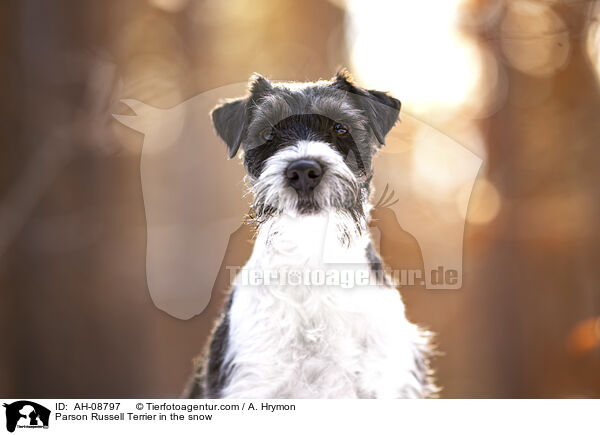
[[26, 414]]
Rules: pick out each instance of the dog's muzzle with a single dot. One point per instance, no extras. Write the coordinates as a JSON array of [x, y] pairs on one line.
[[304, 175], [308, 177]]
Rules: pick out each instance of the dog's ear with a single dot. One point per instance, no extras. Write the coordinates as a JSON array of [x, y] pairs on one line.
[[229, 120], [259, 86], [381, 109], [232, 117]]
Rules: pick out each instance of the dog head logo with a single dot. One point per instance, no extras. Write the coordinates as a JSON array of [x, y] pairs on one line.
[[26, 414], [195, 198]]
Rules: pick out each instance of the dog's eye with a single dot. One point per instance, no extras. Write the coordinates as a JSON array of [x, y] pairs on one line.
[[340, 129], [268, 134]]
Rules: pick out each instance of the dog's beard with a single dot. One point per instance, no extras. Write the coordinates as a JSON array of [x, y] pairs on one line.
[[339, 189]]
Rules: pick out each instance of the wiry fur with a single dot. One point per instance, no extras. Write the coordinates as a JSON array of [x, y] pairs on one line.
[[339, 189], [320, 341], [312, 340]]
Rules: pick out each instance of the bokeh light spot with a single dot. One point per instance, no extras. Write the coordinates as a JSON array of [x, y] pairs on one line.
[[534, 39]]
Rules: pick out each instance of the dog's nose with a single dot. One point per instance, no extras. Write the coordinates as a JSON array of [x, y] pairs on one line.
[[304, 175]]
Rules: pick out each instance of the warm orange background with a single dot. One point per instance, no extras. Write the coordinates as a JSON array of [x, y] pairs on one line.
[[75, 313]]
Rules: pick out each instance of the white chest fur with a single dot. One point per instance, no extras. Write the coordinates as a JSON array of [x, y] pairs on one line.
[[309, 338]]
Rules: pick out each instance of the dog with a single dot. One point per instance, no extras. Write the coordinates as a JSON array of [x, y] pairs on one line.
[[308, 151]]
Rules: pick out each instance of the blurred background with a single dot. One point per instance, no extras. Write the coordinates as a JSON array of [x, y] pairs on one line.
[[514, 81]]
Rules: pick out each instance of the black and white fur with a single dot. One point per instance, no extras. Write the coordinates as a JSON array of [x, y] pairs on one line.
[[309, 340]]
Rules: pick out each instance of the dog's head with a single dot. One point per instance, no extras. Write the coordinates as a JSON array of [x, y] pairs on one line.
[[307, 146]]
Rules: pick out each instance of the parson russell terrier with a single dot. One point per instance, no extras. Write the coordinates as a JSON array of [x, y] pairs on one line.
[[294, 331]]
